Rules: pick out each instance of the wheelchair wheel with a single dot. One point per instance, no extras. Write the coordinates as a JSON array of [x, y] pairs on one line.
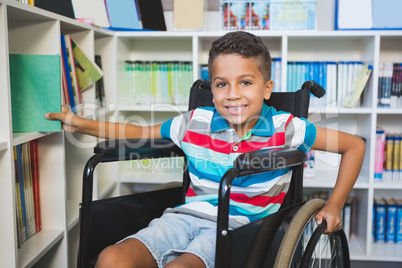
[[303, 247]]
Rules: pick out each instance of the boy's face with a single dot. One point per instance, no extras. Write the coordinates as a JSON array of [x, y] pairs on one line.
[[239, 91]]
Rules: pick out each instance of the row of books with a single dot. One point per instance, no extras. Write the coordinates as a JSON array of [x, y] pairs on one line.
[[344, 81], [388, 157], [28, 212], [268, 15], [276, 73], [162, 82], [348, 212], [79, 72], [390, 85], [387, 220]]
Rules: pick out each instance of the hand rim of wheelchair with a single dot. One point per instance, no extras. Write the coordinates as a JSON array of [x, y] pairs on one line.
[[293, 234], [338, 242]]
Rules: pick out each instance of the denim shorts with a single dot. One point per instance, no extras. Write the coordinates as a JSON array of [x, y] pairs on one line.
[[173, 234]]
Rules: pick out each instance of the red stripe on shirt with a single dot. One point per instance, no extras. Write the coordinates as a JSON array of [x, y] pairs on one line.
[[278, 139], [205, 141], [289, 119], [260, 201]]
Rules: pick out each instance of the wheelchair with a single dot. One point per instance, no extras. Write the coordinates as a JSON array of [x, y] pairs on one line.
[[286, 238]]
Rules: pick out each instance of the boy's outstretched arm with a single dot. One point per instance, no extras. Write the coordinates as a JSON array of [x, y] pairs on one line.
[[352, 150], [108, 130]]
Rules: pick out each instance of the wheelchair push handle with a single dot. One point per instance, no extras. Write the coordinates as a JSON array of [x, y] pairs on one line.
[[315, 89]]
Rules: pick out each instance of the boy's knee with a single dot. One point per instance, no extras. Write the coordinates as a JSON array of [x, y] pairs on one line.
[[109, 257]]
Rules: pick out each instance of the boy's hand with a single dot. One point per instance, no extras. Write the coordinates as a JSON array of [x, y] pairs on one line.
[[69, 121], [331, 213]]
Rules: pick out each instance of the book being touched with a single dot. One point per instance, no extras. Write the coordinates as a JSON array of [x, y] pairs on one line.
[[35, 91]]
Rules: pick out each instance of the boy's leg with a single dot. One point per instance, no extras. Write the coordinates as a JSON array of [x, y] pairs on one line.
[[129, 253], [186, 260]]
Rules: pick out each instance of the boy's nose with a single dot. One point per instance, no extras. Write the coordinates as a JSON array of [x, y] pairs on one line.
[[234, 92]]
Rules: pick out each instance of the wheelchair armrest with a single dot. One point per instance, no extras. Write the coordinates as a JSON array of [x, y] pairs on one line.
[[138, 148], [246, 164], [267, 159]]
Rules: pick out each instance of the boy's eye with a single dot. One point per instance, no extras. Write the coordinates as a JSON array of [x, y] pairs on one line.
[[246, 83], [220, 85]]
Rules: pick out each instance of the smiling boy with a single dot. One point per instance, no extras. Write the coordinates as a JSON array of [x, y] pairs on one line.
[[211, 138]]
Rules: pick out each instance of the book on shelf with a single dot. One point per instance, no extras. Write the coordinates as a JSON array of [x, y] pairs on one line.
[[72, 92], [99, 85], [26, 164], [35, 90], [398, 235], [91, 9], [391, 220], [129, 15], [87, 71], [62, 7], [390, 85], [380, 220], [357, 86], [388, 157], [123, 14], [68, 92]]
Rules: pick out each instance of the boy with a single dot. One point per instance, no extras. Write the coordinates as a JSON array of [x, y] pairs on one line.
[[240, 69]]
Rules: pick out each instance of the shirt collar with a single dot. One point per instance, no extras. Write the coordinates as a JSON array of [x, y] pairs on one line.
[[264, 126]]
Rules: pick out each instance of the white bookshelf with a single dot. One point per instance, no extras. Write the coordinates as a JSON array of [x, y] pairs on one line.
[[26, 29]]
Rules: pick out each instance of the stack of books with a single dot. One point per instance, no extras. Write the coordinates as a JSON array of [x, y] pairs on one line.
[[161, 82], [28, 214]]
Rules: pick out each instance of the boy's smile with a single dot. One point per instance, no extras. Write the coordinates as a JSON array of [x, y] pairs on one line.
[[239, 91]]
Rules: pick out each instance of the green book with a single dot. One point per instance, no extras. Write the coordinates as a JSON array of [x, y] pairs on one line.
[[35, 90]]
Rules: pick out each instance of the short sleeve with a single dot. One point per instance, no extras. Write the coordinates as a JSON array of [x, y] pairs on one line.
[[175, 128], [300, 133]]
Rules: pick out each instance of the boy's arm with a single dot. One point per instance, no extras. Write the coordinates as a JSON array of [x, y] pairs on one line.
[[108, 130], [352, 150]]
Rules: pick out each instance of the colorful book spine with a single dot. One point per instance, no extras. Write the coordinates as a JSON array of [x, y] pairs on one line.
[[162, 82], [380, 216], [379, 155], [390, 220], [398, 235]]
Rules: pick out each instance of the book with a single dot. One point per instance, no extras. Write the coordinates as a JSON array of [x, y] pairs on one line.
[[390, 220], [356, 89], [87, 71], [99, 85], [21, 192], [380, 216], [67, 84], [398, 236], [62, 7], [151, 14], [73, 74], [91, 9], [123, 14], [379, 155], [188, 14], [35, 90]]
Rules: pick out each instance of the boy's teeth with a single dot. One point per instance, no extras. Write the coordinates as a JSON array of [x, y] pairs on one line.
[[236, 108]]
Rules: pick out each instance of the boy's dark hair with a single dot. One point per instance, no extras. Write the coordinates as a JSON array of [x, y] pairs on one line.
[[243, 44]]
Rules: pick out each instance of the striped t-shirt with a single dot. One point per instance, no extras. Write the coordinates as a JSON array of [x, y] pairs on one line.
[[211, 147]]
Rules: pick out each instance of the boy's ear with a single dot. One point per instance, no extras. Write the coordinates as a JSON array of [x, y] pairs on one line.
[[269, 86]]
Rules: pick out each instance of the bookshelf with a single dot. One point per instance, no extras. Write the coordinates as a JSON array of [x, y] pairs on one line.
[[29, 30]]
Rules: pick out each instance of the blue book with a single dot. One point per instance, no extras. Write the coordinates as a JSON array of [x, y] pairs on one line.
[[123, 14], [398, 235], [380, 213], [391, 220], [20, 173], [67, 72]]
